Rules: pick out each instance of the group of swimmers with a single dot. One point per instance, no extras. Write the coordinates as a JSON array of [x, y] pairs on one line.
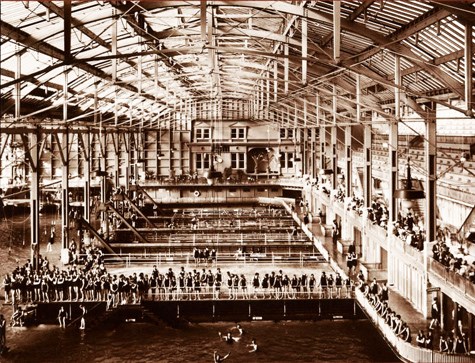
[[197, 284], [378, 298], [231, 338], [77, 283], [49, 283]]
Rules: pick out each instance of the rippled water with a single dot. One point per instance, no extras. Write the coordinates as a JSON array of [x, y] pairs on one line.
[[335, 341]]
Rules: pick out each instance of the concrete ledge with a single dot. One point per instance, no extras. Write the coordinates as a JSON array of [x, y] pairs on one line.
[[343, 245], [373, 270], [326, 230]]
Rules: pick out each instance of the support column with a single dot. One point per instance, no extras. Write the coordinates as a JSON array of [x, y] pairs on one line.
[[468, 58], [286, 68], [64, 151], [431, 206], [367, 186], [336, 31], [334, 155], [103, 176], [34, 198], [346, 228], [393, 161], [87, 174], [304, 48]]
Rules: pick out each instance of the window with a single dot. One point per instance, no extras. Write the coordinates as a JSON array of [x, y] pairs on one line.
[[287, 160], [238, 133], [202, 161], [286, 133], [203, 134], [237, 161], [290, 133], [283, 133]]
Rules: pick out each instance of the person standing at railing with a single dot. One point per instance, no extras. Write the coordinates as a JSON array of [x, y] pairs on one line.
[[311, 285], [256, 285], [405, 333], [216, 289], [229, 283], [460, 346], [338, 285], [435, 314], [323, 285], [429, 342], [421, 339], [443, 346], [330, 283], [243, 285]]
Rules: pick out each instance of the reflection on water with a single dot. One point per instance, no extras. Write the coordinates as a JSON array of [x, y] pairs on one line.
[[337, 341]]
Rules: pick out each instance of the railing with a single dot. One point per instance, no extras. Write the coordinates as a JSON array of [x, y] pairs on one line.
[[407, 250], [406, 350], [452, 279], [273, 179], [249, 293], [187, 259]]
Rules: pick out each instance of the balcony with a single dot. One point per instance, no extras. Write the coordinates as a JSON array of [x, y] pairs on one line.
[[453, 284]]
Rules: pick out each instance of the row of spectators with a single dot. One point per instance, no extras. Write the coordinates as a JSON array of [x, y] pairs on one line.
[[378, 297], [49, 283], [456, 262]]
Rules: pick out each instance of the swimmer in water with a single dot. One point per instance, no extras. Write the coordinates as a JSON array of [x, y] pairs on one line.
[[239, 328], [228, 338], [253, 346], [218, 358]]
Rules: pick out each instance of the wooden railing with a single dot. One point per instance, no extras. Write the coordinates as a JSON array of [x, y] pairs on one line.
[[407, 351]]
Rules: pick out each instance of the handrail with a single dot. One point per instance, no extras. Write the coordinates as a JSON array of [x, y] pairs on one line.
[[159, 259], [406, 350], [456, 281]]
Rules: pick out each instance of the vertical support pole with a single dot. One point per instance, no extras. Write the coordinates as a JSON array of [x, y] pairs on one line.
[[203, 20], [367, 140], [304, 47], [322, 133], [393, 161], [34, 199], [17, 87], [286, 67], [468, 57], [103, 168], [348, 174], [431, 206], [334, 139], [67, 31], [336, 31], [304, 141], [65, 196], [276, 74], [87, 175]]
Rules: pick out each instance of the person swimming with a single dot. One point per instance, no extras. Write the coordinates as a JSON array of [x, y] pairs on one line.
[[218, 358], [228, 338], [253, 346], [239, 328]]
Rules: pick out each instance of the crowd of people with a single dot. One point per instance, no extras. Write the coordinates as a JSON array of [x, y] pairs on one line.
[[25, 284], [378, 296], [455, 262]]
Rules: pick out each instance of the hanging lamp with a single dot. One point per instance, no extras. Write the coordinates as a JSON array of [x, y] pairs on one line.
[[408, 194]]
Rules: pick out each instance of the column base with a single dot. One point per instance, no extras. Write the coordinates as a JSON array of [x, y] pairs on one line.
[[64, 256]]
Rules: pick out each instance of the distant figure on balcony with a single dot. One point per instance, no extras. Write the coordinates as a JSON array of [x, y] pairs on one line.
[[435, 314], [335, 231]]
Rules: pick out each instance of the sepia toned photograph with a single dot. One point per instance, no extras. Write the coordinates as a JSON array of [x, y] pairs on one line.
[[193, 181]]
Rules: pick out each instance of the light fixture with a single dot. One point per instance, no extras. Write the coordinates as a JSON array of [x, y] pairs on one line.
[[325, 171], [409, 193]]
